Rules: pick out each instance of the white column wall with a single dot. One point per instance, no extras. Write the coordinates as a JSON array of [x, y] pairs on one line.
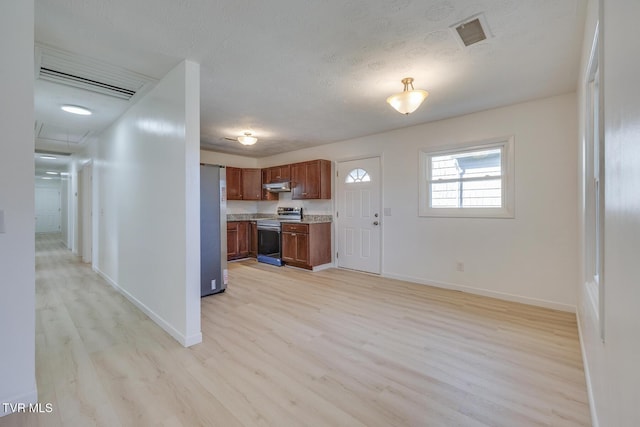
[[613, 375], [532, 258], [17, 188], [147, 204]]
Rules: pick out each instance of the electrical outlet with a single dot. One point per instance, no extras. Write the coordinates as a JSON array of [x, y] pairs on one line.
[[460, 266], [213, 285]]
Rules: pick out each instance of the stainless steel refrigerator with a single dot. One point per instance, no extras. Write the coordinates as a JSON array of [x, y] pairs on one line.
[[213, 229]]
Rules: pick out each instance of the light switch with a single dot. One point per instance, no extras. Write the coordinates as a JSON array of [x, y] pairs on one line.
[[2, 221]]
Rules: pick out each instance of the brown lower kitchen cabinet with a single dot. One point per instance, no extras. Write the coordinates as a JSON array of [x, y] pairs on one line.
[[237, 239], [253, 239], [306, 245]]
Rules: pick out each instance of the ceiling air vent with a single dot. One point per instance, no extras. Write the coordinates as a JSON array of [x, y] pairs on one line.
[[89, 74], [472, 30]]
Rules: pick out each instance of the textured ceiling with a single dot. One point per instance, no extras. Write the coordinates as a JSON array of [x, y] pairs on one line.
[[302, 73]]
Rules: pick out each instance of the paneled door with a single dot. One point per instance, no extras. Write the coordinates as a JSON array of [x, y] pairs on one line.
[[358, 216], [47, 210]]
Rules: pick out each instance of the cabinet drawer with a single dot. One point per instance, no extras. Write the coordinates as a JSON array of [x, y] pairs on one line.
[[295, 228]]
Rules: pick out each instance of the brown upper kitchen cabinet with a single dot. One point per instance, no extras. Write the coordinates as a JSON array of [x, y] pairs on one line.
[[279, 173], [311, 180], [244, 184], [251, 184], [274, 174], [234, 183]]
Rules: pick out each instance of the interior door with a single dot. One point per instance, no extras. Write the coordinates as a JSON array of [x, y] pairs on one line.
[[359, 220], [47, 210]]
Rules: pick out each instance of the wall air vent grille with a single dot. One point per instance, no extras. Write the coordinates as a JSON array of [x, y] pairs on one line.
[[84, 83], [89, 74]]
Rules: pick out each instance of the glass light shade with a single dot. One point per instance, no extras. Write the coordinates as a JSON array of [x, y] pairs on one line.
[[247, 140], [408, 101]]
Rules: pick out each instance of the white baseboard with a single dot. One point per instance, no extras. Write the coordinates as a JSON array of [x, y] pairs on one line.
[[186, 341], [485, 292], [587, 376], [322, 267], [28, 398]]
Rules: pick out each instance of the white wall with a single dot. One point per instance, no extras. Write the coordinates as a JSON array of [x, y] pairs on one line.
[[147, 204], [532, 258], [17, 253], [612, 365], [215, 158]]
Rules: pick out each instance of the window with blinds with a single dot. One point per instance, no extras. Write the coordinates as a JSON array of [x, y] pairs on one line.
[[470, 181]]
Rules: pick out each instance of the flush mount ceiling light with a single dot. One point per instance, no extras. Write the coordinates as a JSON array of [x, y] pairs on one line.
[[247, 139], [76, 109], [408, 100]]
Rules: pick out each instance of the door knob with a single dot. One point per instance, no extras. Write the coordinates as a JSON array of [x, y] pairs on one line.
[[375, 222]]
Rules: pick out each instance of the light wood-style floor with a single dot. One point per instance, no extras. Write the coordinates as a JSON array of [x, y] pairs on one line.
[[285, 347]]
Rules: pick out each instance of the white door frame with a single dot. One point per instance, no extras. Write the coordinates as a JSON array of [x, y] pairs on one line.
[[336, 245], [85, 208]]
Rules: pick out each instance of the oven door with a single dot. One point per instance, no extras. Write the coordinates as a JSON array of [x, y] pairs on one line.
[[269, 245]]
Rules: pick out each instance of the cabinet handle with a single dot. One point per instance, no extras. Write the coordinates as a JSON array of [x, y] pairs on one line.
[[293, 234], [304, 194]]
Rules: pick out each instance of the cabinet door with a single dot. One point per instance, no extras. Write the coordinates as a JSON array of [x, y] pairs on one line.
[[288, 250], [253, 239], [232, 240], [243, 239], [266, 179], [312, 184], [298, 181], [280, 173], [311, 180], [234, 183], [302, 248], [251, 184]]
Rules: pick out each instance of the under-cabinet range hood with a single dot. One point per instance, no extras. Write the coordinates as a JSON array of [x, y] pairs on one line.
[[277, 187]]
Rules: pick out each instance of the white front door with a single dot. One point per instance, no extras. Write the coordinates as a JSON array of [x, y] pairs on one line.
[[358, 216], [47, 210]]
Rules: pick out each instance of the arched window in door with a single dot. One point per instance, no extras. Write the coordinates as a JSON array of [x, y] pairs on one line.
[[357, 175]]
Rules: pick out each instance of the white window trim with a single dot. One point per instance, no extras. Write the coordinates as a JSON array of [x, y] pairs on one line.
[[508, 180], [593, 250]]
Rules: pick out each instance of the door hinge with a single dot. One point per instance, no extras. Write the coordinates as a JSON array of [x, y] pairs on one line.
[[337, 214], [337, 255]]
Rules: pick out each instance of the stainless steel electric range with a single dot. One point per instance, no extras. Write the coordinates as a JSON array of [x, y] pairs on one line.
[[269, 235]]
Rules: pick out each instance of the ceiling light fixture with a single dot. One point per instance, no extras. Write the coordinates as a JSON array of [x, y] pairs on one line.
[[247, 139], [408, 100], [76, 109], [48, 157], [51, 173]]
